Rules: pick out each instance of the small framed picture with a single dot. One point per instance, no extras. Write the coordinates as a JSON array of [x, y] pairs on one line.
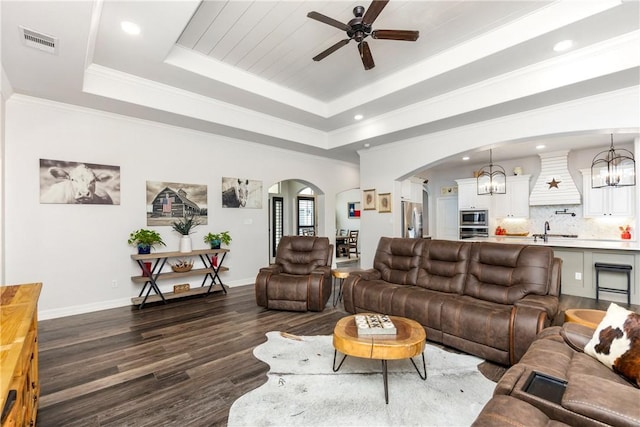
[[353, 209], [369, 200], [384, 202]]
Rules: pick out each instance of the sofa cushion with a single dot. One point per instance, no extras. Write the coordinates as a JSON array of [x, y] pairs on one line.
[[506, 273], [443, 265], [616, 342], [302, 254], [398, 259]]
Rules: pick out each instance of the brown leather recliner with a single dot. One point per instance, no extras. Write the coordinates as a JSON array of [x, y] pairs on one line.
[[300, 279]]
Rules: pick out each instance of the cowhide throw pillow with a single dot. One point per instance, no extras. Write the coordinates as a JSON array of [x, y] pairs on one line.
[[616, 342]]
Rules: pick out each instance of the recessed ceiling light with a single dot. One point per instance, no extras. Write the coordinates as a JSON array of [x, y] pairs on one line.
[[563, 45], [540, 147], [130, 28], [358, 117], [367, 145], [465, 158]]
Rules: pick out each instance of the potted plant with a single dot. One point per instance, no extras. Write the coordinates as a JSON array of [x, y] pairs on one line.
[[145, 239], [215, 239], [185, 227]]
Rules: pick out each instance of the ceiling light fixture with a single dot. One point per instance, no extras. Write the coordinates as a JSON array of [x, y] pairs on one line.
[[491, 178], [130, 28], [613, 168], [563, 45], [465, 158], [540, 147], [358, 117]]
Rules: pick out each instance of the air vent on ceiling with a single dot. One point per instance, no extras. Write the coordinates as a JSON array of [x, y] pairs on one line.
[[38, 40]]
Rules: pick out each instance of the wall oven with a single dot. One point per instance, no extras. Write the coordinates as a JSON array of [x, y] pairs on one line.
[[474, 223]]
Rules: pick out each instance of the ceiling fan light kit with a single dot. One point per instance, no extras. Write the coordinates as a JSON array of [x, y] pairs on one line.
[[359, 28]]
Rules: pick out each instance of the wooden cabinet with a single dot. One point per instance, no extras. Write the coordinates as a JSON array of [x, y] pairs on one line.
[[607, 201], [19, 354], [515, 203], [468, 197]]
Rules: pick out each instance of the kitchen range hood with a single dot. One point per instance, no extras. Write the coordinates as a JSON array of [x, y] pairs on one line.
[[555, 185]]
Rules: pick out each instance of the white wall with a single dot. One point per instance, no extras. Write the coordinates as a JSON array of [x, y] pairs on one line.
[[5, 92], [78, 250], [383, 167]]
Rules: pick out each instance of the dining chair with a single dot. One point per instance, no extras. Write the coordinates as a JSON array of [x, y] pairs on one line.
[[352, 243]]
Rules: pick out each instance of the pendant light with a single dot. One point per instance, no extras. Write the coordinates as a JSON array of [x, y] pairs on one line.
[[491, 178], [613, 168]]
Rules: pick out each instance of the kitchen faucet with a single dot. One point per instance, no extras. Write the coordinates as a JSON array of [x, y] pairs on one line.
[[545, 236]]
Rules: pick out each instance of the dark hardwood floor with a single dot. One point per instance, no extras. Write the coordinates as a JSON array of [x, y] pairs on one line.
[[180, 364]]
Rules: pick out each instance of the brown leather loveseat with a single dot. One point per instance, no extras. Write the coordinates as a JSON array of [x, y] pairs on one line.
[[579, 390], [486, 299], [300, 279]]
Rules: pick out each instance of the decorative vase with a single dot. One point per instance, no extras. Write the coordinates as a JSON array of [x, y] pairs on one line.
[[626, 235], [215, 244], [144, 249], [148, 267], [185, 244]]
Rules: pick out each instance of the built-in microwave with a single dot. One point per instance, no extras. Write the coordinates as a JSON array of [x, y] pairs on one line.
[[474, 218]]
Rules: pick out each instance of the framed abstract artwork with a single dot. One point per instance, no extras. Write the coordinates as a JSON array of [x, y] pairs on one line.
[[384, 202], [369, 200]]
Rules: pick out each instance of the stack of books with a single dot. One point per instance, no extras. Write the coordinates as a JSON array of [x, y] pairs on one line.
[[374, 324]]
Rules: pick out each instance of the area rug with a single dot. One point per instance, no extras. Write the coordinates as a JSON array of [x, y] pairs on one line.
[[303, 390]]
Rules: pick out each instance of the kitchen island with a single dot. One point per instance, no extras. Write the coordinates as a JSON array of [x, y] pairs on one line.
[[578, 259]]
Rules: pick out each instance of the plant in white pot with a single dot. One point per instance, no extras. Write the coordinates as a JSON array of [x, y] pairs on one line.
[[215, 239], [185, 227], [144, 240]]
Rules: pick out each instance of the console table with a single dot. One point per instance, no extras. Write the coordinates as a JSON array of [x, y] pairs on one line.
[[158, 260]]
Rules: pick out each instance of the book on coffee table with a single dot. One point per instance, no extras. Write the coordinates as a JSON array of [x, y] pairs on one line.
[[375, 324]]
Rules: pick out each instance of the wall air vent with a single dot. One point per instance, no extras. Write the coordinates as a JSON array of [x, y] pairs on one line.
[[38, 40]]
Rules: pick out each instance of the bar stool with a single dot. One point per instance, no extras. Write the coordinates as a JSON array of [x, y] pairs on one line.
[[616, 268]]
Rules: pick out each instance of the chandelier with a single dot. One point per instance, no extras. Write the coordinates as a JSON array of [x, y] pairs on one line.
[[491, 178], [613, 168]]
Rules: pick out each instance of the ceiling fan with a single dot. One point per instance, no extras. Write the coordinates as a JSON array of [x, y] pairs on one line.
[[359, 28]]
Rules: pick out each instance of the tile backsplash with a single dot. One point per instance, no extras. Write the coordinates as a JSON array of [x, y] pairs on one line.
[[585, 228]]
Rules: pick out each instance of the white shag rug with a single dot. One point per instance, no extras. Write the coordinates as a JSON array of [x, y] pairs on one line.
[[303, 390]]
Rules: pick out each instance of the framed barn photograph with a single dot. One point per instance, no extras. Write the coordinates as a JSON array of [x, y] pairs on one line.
[[241, 193], [384, 202], [369, 200], [168, 201], [78, 183]]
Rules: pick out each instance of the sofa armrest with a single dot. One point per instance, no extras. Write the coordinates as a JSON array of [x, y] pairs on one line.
[[370, 274], [603, 400], [526, 322], [326, 270], [547, 303], [576, 335], [273, 269]]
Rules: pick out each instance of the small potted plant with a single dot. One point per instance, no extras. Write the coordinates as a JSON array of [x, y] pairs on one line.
[[625, 232], [145, 239], [185, 227], [215, 239]]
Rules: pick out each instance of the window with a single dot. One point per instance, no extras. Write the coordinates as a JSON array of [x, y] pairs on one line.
[[277, 222], [306, 216]]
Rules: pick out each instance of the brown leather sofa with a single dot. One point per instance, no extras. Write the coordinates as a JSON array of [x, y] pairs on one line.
[[486, 299], [593, 395], [300, 279]]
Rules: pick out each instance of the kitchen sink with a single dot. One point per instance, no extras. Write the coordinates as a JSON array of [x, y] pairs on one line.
[[567, 236]]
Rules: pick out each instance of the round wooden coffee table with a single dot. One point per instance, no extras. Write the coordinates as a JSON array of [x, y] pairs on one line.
[[407, 343]]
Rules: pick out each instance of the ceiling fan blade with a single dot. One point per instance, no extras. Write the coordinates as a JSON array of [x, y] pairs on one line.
[[326, 20], [395, 35], [365, 54], [332, 49], [374, 10]]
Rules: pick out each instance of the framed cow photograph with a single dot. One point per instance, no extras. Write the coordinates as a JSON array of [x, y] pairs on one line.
[[169, 201], [241, 193], [77, 183]]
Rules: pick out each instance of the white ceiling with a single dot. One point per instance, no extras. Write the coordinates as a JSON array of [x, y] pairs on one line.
[[243, 69]]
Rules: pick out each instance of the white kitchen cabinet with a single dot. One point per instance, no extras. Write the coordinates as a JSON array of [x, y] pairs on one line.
[[515, 203], [607, 201], [468, 197]]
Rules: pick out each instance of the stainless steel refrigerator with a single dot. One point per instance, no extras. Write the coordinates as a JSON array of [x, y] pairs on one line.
[[412, 220]]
